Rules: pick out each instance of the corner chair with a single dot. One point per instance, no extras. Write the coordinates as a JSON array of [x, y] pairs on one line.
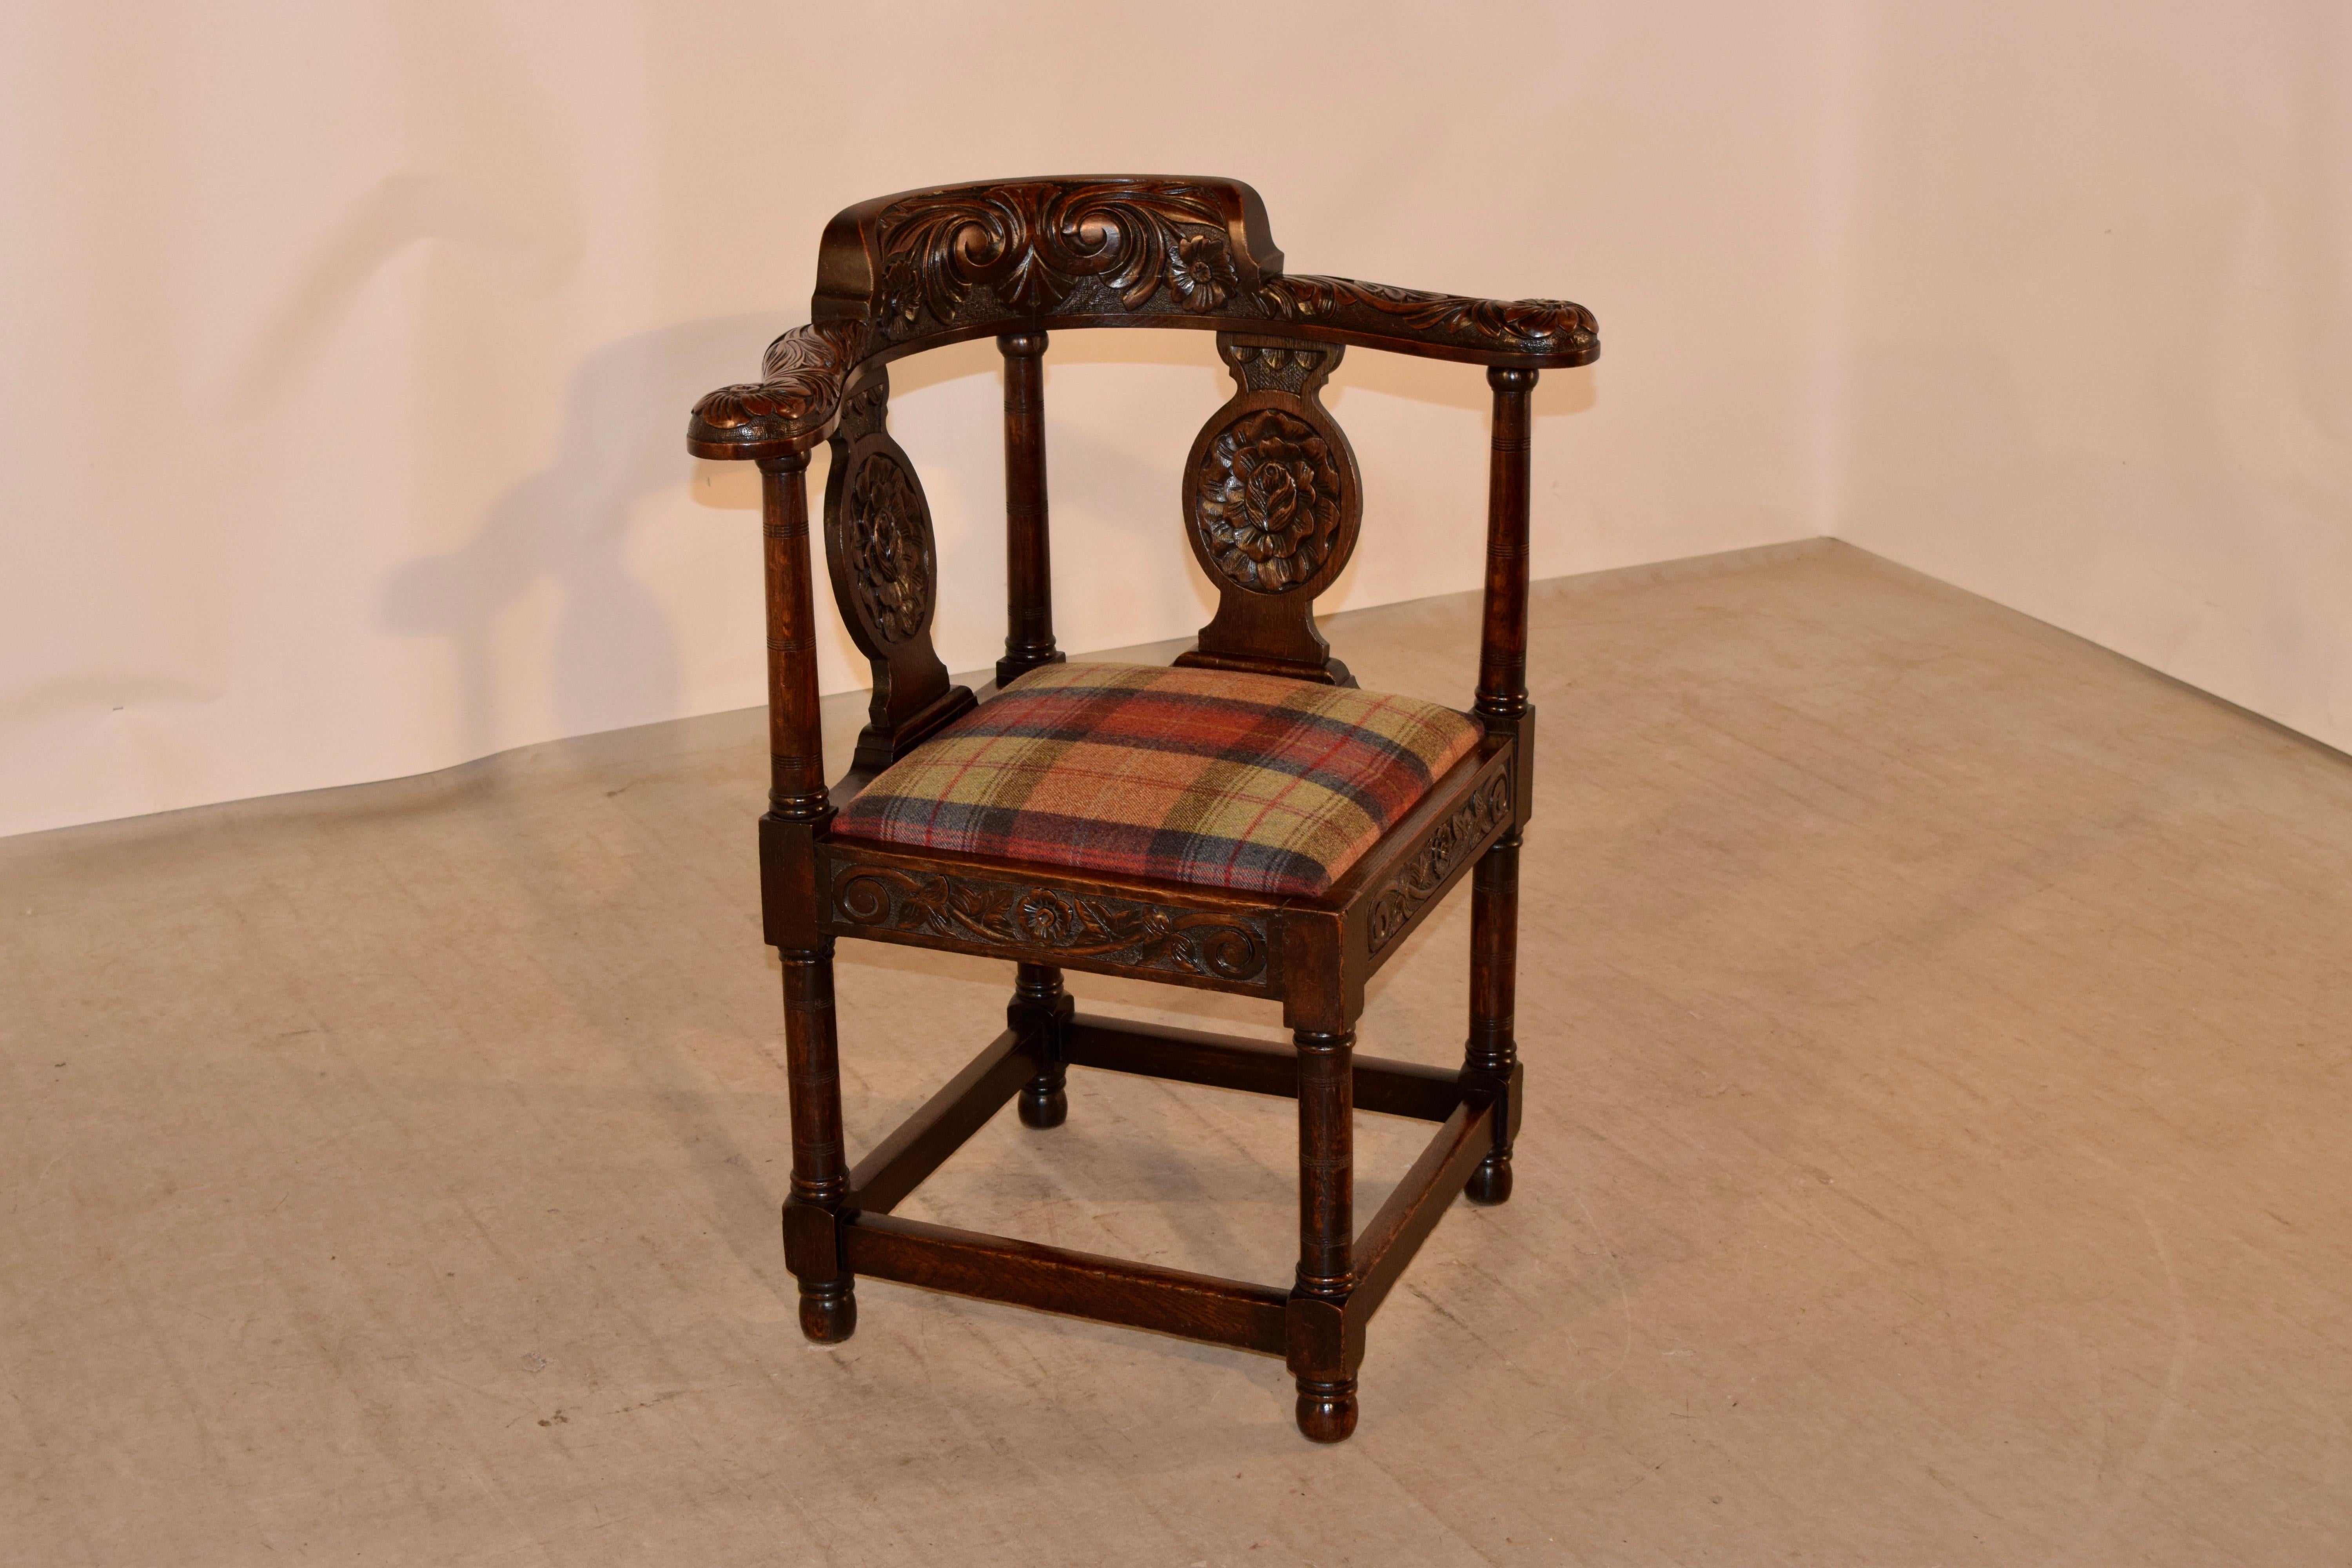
[[1246, 821]]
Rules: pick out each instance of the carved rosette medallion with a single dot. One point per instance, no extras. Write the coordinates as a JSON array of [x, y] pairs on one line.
[[1054, 921], [1449, 845], [1270, 501], [877, 529], [887, 531]]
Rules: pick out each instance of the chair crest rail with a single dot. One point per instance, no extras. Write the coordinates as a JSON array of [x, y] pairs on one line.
[[928, 268]]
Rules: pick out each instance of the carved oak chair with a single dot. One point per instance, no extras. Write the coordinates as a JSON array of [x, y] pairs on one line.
[[1245, 822]]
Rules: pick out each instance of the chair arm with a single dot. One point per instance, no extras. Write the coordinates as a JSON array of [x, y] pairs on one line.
[[1540, 334], [793, 406]]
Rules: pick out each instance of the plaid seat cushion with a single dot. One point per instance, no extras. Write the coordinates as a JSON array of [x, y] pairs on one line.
[[1222, 780]]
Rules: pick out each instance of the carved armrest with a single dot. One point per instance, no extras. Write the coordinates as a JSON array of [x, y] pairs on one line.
[[932, 267], [793, 406], [1539, 333]]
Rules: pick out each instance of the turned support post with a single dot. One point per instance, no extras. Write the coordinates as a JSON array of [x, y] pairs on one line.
[[797, 805], [1490, 1058], [1503, 631], [1327, 1222], [1490, 1055], [795, 729], [1028, 558], [1041, 1010]]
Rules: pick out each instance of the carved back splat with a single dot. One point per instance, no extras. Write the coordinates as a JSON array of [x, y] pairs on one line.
[[1272, 500], [884, 568]]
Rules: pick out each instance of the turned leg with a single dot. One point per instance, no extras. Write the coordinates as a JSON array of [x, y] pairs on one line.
[[1042, 1008], [1490, 1060], [820, 1167], [1327, 1189]]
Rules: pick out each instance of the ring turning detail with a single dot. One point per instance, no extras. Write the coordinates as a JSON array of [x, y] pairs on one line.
[[1150, 880]]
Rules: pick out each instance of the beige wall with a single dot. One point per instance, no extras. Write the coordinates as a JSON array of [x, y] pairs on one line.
[[2095, 334], [350, 346]]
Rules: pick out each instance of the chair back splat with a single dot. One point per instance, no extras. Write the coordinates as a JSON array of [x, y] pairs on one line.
[[1245, 822]]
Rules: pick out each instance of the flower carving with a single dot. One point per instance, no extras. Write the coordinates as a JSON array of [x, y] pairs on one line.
[[1201, 272], [1270, 501], [800, 388], [1543, 320], [890, 566], [731, 407]]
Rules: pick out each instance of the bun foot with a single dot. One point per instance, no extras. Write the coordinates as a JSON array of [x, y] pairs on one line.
[[1049, 1109], [1490, 1184], [828, 1313], [1327, 1411]]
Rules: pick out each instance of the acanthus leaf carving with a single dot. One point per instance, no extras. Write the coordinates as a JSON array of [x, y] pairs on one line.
[[802, 374], [1034, 244], [1055, 920], [948, 261], [1437, 858], [1520, 326]]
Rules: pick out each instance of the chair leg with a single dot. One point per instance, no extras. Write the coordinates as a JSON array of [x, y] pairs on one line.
[[820, 1165], [1040, 1004], [1327, 1186], [1493, 1053]]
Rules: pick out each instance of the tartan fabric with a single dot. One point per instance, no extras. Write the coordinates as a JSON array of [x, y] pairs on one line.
[[1222, 780]]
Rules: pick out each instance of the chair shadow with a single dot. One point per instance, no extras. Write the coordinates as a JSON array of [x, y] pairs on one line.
[[615, 660]]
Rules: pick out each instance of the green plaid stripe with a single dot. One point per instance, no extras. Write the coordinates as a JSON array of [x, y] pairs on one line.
[[1245, 782]]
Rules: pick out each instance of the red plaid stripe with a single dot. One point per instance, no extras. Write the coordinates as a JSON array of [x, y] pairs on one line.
[[1218, 779]]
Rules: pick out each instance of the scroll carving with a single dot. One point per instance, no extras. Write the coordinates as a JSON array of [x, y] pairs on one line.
[[791, 405], [1039, 247], [1054, 921], [903, 272], [1437, 858], [1531, 327]]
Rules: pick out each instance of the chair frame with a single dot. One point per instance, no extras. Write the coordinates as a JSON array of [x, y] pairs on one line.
[[1017, 259]]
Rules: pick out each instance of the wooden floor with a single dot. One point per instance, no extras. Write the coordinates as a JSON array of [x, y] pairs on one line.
[[1938, 1151]]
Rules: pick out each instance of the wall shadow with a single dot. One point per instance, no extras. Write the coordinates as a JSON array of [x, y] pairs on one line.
[[615, 659]]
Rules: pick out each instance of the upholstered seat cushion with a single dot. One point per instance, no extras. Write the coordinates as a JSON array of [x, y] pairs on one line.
[[1245, 782]]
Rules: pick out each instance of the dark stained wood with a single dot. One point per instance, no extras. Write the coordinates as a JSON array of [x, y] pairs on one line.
[[1503, 630], [1327, 1144], [1491, 1053], [1254, 1066], [899, 1164], [820, 1179], [1046, 914], [886, 579], [1326, 1209], [1419, 1202], [925, 268], [795, 730], [1490, 1056], [1040, 1012], [1028, 554], [1405, 877], [994, 1269], [1273, 504]]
